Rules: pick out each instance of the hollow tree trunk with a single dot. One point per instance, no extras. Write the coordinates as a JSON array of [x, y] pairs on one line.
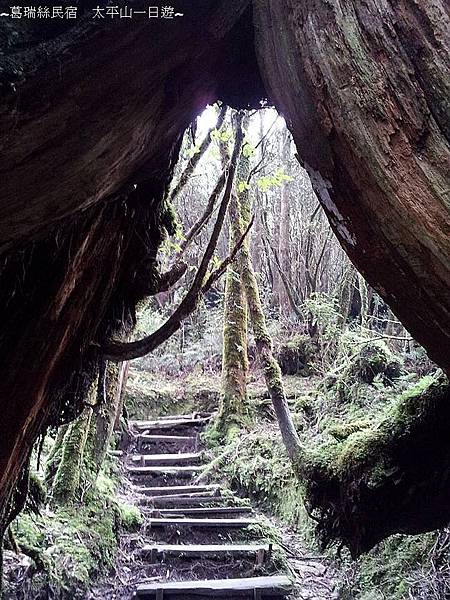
[[91, 117], [364, 89], [89, 111]]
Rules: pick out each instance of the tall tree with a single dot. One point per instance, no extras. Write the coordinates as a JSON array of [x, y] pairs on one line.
[[284, 232], [233, 400], [263, 341]]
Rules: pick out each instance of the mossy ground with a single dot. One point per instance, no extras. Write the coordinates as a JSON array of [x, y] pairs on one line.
[[400, 567], [69, 546]]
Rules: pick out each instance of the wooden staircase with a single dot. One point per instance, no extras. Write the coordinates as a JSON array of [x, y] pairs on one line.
[[189, 507]]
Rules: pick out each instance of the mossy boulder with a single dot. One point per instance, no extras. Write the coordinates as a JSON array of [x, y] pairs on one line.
[[374, 358], [372, 368], [390, 477], [296, 355]]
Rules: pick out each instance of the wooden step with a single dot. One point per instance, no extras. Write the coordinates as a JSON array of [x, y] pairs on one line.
[[211, 510], [167, 459], [194, 415], [118, 453], [200, 550], [176, 471], [169, 490], [168, 424], [176, 439], [189, 501], [191, 495], [261, 587], [186, 522]]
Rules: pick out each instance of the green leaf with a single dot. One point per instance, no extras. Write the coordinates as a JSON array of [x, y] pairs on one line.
[[243, 186]]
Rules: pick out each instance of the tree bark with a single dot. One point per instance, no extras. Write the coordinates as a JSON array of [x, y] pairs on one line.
[[363, 89], [270, 366], [233, 400]]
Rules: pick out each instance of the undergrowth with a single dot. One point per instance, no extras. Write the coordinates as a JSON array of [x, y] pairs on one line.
[[399, 568], [68, 547]]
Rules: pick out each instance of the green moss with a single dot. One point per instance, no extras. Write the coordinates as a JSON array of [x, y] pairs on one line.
[[149, 396], [400, 567], [72, 545], [369, 444], [344, 430], [257, 464], [130, 516], [295, 356], [168, 217]]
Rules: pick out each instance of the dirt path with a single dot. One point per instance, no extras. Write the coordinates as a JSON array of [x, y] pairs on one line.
[[199, 533]]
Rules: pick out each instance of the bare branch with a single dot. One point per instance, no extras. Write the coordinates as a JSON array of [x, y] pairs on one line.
[[217, 273], [198, 226], [194, 160]]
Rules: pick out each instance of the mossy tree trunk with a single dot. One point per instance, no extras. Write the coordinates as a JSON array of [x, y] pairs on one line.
[[103, 420], [263, 341], [69, 474], [233, 400], [81, 447]]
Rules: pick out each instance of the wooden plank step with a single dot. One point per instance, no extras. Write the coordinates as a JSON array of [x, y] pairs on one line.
[[191, 495], [193, 415], [178, 471], [198, 550], [180, 439], [169, 424], [118, 453], [277, 585], [169, 490], [211, 510], [173, 501], [167, 459], [182, 522]]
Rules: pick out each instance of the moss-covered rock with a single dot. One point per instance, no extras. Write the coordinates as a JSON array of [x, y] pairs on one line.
[[374, 358], [371, 369], [296, 356], [386, 478]]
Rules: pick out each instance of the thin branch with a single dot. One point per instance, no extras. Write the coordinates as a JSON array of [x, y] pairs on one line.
[[117, 351], [198, 226], [194, 160], [229, 259], [267, 133]]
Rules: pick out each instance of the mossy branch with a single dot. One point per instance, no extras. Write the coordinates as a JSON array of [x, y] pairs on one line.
[[117, 351]]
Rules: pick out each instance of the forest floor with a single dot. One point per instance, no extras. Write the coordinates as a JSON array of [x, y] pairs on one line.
[[314, 577]]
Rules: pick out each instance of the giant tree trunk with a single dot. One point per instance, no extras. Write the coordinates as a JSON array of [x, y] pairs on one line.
[[92, 116], [364, 88]]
